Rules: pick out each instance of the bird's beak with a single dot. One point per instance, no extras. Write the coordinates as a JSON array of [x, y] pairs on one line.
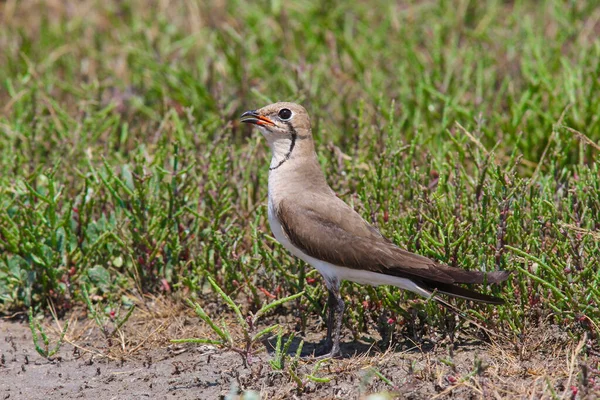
[[252, 117]]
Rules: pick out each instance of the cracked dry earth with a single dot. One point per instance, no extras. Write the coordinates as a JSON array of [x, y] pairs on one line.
[[143, 364]]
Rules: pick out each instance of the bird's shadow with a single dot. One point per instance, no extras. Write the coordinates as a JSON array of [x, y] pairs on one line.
[[351, 349]]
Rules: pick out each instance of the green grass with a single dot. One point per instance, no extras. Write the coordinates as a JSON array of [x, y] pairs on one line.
[[462, 131]]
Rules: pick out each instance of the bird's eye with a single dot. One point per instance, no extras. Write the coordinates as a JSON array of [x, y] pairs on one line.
[[285, 114]]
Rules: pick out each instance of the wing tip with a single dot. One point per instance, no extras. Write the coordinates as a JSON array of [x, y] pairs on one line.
[[461, 292], [497, 276]]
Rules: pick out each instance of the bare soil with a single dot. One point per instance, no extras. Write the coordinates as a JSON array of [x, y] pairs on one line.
[[140, 362]]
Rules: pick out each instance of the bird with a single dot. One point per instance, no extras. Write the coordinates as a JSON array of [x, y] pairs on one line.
[[315, 225]]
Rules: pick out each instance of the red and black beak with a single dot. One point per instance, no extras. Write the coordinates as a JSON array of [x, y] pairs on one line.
[[253, 117]]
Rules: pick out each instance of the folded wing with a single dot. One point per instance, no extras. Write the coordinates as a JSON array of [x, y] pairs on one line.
[[338, 235]]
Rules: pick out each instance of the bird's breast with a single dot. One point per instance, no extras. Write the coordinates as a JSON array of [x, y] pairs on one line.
[[278, 232]]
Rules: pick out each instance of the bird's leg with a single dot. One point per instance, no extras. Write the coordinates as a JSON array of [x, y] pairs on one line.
[[335, 315], [339, 315], [332, 306]]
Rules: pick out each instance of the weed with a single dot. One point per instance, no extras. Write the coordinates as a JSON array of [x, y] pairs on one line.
[[45, 350], [108, 320], [281, 351], [248, 325]]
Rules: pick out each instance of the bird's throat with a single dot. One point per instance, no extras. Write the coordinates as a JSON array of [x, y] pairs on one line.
[[282, 151]]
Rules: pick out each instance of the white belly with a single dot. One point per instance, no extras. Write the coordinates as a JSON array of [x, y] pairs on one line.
[[334, 274]]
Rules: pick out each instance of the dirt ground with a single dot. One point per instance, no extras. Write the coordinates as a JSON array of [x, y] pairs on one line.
[[142, 363]]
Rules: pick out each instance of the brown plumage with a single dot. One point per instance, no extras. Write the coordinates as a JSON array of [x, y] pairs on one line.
[[353, 243]]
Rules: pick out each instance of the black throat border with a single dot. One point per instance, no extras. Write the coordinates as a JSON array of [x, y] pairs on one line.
[[289, 153]]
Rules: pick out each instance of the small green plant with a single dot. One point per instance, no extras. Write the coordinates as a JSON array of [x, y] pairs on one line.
[[315, 370], [36, 328], [248, 324], [302, 380], [281, 351], [293, 368], [109, 321], [370, 373]]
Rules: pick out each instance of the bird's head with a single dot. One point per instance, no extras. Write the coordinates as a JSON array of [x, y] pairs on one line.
[[279, 121], [286, 126]]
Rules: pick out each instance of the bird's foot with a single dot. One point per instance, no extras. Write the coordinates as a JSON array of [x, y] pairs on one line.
[[325, 356], [327, 350]]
